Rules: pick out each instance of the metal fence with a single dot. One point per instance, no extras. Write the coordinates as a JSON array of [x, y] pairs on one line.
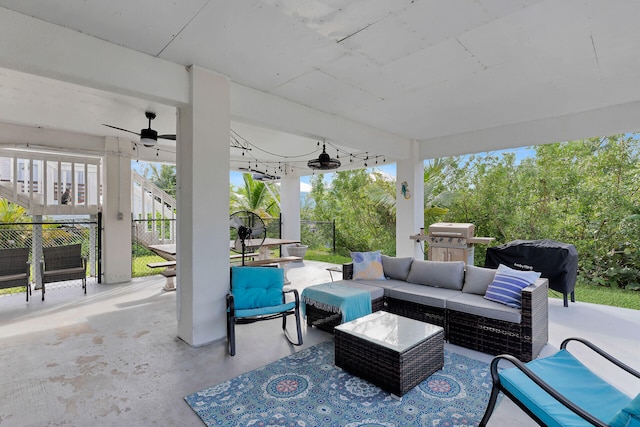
[[36, 235]]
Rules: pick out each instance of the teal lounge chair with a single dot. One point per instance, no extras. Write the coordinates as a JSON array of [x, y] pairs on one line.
[[560, 391], [257, 294]]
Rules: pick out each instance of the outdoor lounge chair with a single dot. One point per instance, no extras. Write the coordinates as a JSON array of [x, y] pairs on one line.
[[63, 263], [560, 391], [15, 269], [257, 294]]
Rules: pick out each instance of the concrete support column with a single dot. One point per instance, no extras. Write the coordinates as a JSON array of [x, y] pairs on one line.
[[409, 203], [117, 211], [290, 207], [203, 208]]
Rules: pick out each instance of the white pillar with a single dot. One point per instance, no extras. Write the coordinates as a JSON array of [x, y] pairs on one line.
[[203, 208], [117, 211], [409, 204], [290, 207]]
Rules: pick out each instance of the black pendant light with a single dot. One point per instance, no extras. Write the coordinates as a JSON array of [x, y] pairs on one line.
[[324, 161]]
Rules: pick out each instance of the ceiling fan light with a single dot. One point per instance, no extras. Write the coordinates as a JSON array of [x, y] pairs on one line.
[[148, 137], [324, 161]]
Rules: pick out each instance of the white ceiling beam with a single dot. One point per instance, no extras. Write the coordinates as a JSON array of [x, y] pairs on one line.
[[612, 120], [60, 53]]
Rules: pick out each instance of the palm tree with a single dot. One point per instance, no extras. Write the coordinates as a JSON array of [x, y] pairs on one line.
[[255, 197]]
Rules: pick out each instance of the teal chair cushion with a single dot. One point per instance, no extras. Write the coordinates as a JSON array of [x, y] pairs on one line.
[[256, 287], [264, 311], [560, 371], [629, 416]]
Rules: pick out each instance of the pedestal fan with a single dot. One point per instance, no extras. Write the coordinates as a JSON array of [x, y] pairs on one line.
[[247, 231]]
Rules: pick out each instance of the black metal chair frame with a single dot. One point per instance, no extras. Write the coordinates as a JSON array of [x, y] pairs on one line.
[[15, 269], [232, 320], [62, 263], [498, 387]]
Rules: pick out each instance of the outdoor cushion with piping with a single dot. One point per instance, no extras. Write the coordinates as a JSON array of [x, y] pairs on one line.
[[477, 279], [256, 287], [396, 268], [440, 274], [560, 371], [628, 416]]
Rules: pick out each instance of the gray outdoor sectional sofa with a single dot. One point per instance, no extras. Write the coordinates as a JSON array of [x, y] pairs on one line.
[[452, 296]]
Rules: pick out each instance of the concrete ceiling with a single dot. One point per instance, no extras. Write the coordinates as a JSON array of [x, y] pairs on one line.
[[457, 76]]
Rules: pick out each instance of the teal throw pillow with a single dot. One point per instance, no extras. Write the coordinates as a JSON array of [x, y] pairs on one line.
[[367, 266]]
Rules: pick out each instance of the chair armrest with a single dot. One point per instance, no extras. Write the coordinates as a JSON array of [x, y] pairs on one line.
[[602, 353], [230, 304], [295, 295], [347, 271], [543, 385], [535, 299]]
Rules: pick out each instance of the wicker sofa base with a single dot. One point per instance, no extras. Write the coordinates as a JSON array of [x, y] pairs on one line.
[[488, 335], [390, 370], [413, 310], [327, 320]]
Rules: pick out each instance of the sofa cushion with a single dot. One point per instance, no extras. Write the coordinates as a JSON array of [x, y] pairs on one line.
[[479, 306], [367, 265], [477, 279], [508, 284], [396, 268], [384, 284], [425, 295], [441, 274], [374, 290]]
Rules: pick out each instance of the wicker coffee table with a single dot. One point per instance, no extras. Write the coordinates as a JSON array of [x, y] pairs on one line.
[[393, 352]]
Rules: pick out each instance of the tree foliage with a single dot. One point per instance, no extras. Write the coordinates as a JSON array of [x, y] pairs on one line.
[[254, 196], [581, 192]]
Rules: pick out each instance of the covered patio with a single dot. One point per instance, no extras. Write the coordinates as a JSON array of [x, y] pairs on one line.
[[112, 358], [406, 81]]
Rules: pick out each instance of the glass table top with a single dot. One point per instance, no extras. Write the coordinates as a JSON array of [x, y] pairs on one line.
[[389, 330]]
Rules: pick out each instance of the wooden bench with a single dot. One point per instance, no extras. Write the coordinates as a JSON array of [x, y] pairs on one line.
[[169, 273], [282, 260], [161, 264]]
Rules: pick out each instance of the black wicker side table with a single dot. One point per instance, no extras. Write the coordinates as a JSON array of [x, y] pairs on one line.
[[393, 352]]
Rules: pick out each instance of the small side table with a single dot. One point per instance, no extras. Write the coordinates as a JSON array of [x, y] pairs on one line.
[[332, 270]]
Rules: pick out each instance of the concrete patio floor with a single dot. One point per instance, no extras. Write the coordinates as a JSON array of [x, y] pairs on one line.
[[112, 357]]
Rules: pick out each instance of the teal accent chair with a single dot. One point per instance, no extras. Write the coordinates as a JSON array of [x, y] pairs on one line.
[[257, 294], [561, 391]]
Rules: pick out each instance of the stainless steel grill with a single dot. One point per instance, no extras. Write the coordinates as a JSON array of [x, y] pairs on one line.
[[450, 241]]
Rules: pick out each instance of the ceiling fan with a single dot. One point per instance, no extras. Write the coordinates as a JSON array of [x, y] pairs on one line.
[[148, 137]]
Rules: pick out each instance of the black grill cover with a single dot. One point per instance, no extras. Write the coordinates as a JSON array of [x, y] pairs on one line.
[[556, 261]]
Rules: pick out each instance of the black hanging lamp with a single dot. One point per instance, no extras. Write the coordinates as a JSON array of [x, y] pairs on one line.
[[324, 161]]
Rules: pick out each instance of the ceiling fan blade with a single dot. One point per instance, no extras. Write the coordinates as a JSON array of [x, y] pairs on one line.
[[168, 136], [125, 130]]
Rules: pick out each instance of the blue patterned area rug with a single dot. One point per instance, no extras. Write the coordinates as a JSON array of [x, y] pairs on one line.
[[306, 389]]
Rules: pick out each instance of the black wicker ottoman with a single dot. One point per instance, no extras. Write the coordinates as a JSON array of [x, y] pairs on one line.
[[393, 352]]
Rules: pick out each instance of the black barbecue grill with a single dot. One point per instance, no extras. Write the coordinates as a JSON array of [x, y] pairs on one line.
[[556, 261]]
